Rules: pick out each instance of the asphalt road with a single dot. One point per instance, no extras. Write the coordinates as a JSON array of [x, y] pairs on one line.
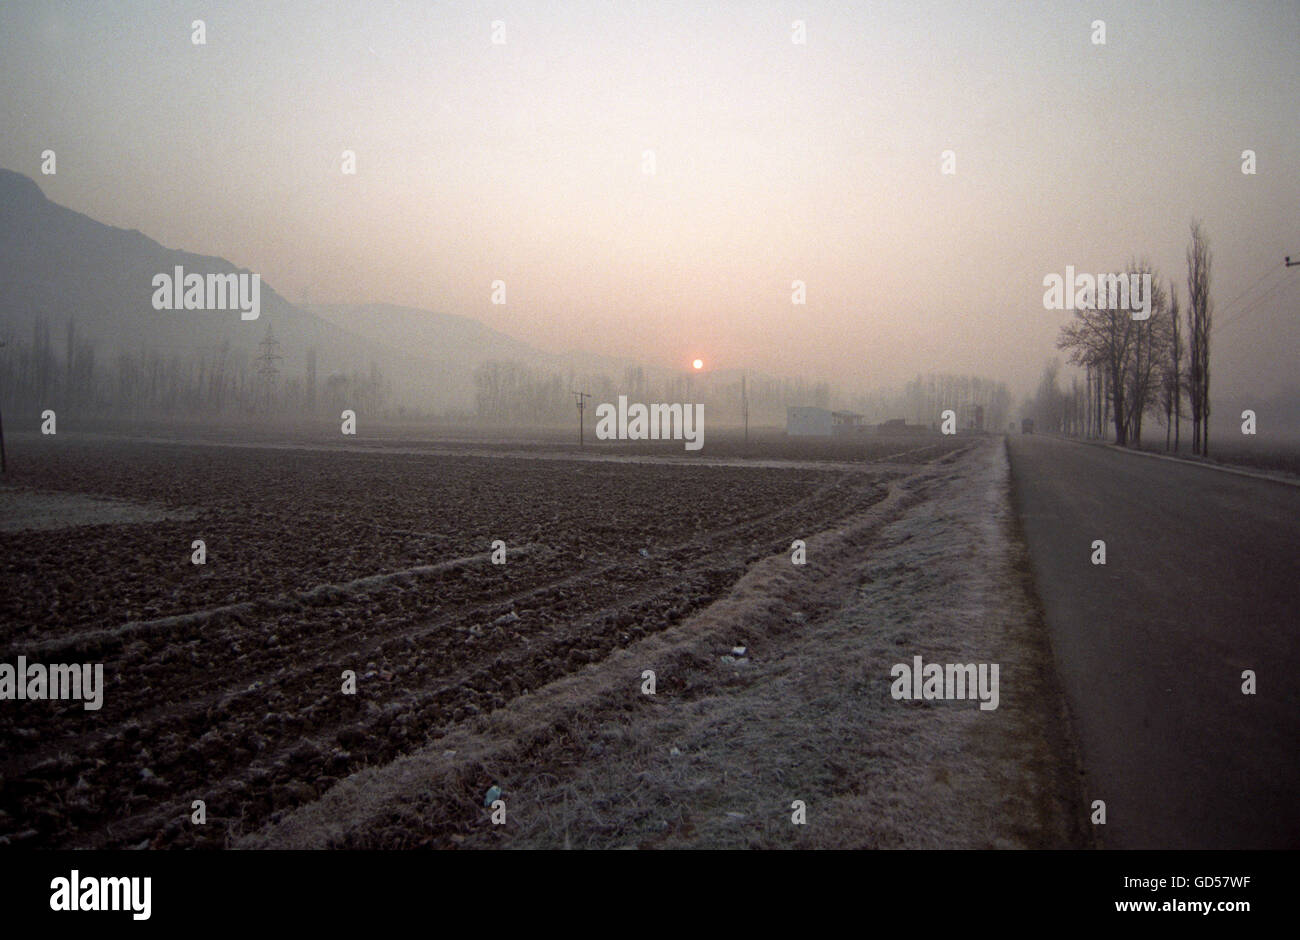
[[1200, 583]]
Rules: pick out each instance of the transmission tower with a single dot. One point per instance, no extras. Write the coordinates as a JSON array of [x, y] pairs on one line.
[[267, 370]]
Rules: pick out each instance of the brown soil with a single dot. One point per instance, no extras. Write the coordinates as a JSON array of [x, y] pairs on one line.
[[223, 680]]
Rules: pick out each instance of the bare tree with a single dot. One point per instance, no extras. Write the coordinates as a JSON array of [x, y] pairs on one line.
[[311, 380], [1127, 355], [1103, 337], [1199, 313], [1173, 384], [70, 353], [1150, 341]]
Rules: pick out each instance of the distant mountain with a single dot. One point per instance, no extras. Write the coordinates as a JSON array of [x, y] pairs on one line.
[[454, 346], [435, 336], [61, 265]]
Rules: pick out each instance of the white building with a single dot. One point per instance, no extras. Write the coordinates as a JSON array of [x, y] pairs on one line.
[[808, 422]]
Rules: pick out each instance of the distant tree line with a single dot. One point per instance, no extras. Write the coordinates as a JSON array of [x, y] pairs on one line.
[[925, 398], [512, 393], [220, 381]]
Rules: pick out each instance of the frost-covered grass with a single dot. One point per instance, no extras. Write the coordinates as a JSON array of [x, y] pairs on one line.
[[719, 754]]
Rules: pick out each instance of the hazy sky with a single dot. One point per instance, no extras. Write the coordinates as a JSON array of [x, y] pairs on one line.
[[774, 162]]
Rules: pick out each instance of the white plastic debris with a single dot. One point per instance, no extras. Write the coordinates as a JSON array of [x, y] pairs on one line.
[[738, 651]]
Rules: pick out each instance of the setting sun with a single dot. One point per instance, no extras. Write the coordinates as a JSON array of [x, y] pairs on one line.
[[699, 363]]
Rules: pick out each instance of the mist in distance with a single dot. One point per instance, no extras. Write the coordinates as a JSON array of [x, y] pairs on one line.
[[524, 162]]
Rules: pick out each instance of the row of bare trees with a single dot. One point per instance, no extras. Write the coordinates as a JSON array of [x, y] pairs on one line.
[[146, 382], [513, 393], [926, 397], [1133, 367], [507, 392]]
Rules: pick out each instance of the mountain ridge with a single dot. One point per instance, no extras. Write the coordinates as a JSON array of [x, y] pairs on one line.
[[66, 267]]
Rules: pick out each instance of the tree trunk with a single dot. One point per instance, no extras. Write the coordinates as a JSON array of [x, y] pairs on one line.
[[1121, 423]]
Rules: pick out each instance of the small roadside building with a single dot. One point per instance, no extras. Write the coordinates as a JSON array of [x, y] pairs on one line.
[[822, 422], [809, 422], [847, 422]]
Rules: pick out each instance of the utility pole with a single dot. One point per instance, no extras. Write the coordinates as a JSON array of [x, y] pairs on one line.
[[581, 398], [4, 464], [744, 408]]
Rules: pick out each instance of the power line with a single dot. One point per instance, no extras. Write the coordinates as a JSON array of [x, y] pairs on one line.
[[1256, 326], [1256, 329], [1229, 311], [1239, 312], [1264, 275], [1255, 304]]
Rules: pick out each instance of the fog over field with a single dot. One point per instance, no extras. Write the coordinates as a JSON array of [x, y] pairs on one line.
[[524, 161]]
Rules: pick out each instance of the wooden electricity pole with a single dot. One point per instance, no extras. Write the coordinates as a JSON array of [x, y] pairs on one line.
[[581, 398], [4, 464], [744, 408]]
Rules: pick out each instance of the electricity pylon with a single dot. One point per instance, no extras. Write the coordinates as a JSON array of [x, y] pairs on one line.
[[267, 370], [581, 398]]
